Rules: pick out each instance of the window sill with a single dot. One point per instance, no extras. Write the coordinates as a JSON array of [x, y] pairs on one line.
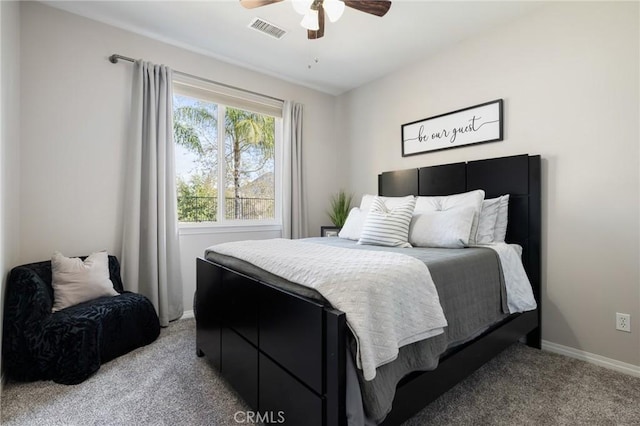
[[210, 228]]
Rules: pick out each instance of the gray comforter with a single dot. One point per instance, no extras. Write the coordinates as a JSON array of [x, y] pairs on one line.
[[471, 289]]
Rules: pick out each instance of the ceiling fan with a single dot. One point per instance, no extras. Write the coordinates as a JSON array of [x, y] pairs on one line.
[[314, 10]]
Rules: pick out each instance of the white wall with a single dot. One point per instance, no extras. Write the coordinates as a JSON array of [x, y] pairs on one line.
[[9, 141], [74, 119], [568, 75]]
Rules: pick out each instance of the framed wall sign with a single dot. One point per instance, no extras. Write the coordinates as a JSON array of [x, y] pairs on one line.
[[476, 124]]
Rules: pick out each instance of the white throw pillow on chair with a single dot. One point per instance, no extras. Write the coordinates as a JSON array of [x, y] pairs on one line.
[[75, 281]]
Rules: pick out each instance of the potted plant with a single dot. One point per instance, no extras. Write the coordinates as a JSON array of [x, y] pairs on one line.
[[340, 206]]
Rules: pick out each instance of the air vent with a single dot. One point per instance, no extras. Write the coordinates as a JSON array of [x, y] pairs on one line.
[[267, 28]]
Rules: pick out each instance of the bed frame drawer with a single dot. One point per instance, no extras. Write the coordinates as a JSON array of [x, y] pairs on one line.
[[240, 365], [207, 310], [291, 332], [281, 395], [240, 307]]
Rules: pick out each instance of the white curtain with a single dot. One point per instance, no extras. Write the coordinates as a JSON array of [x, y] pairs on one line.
[[150, 246], [294, 203]]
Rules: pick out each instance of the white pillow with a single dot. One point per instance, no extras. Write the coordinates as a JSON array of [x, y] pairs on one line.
[[352, 227], [501, 222], [388, 227], [447, 228], [486, 222], [390, 202], [447, 202], [75, 281]]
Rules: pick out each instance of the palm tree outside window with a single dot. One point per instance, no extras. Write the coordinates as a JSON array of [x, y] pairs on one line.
[[225, 161]]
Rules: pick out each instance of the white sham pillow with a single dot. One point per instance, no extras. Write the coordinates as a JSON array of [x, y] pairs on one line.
[[492, 224], [445, 228], [486, 222], [352, 227], [75, 281], [500, 231], [386, 226], [390, 202], [447, 202]]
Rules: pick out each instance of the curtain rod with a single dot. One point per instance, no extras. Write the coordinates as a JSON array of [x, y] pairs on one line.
[[115, 57]]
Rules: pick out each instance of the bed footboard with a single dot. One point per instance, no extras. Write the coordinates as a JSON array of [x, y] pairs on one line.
[[284, 354]]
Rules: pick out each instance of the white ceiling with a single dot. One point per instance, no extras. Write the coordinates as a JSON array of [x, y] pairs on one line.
[[355, 50]]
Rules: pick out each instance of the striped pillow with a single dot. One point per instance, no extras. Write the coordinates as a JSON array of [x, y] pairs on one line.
[[388, 227]]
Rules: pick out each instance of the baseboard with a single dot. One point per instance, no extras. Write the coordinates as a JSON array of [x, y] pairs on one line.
[[187, 314], [612, 364]]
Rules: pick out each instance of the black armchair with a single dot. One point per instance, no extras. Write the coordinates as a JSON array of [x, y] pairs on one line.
[[69, 345]]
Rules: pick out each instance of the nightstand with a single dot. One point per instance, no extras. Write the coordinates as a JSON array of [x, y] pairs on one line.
[[329, 231]]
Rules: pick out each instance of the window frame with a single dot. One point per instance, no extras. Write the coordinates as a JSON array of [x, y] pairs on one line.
[[225, 97]]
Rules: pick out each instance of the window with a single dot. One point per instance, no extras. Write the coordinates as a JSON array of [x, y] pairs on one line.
[[227, 155]]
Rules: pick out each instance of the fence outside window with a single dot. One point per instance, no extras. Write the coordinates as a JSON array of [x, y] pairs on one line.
[[205, 209]]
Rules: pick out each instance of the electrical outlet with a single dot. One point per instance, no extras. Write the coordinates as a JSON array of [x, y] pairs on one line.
[[623, 322]]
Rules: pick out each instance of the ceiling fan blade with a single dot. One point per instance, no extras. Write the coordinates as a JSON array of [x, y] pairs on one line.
[[252, 4], [312, 35], [374, 7]]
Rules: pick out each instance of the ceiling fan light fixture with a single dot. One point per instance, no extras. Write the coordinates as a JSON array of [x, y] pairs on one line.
[[310, 20], [301, 6], [313, 11], [334, 9]]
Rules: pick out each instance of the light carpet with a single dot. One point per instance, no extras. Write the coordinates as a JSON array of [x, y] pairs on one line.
[[166, 384]]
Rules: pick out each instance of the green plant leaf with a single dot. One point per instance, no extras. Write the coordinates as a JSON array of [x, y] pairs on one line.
[[340, 206]]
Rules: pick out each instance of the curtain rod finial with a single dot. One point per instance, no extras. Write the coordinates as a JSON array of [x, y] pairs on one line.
[[113, 59]]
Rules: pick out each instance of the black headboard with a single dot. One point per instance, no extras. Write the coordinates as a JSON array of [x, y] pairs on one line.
[[518, 176]]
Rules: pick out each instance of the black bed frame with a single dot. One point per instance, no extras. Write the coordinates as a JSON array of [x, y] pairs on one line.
[[286, 354]]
